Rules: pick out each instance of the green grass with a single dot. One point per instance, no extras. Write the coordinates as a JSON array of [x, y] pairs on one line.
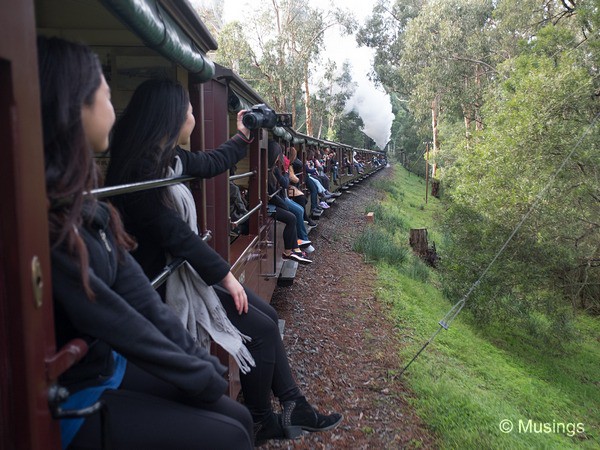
[[470, 378]]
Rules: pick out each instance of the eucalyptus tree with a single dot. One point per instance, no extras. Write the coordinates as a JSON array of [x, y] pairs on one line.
[[538, 160], [236, 52], [334, 89], [211, 12], [436, 54], [278, 49]]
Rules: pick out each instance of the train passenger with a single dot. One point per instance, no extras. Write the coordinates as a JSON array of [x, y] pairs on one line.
[[332, 166], [294, 191], [279, 176], [237, 206], [314, 185], [297, 167], [282, 213], [160, 389], [360, 168], [313, 167], [347, 165], [146, 145]]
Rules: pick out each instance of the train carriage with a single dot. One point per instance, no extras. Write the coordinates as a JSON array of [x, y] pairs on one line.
[[136, 40]]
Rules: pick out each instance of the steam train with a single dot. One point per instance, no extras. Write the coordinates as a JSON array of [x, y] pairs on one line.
[[136, 40]]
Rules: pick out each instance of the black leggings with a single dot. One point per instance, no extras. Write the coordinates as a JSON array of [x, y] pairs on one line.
[[150, 414], [272, 372], [290, 236]]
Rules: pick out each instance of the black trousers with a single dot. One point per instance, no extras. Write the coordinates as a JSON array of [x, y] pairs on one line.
[[290, 236], [272, 372], [146, 413]]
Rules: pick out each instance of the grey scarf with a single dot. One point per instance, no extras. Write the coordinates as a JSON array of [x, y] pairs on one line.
[[195, 303]]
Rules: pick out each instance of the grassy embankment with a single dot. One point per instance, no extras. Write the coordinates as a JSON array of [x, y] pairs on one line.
[[470, 382]]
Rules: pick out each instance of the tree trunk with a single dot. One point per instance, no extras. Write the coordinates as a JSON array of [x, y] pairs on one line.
[[467, 117], [435, 188], [478, 120], [309, 127], [434, 126], [418, 241]]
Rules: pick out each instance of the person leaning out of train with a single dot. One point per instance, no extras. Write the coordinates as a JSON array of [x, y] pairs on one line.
[[203, 292], [160, 389]]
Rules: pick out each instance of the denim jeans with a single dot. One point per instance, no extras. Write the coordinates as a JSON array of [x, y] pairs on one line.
[[299, 213]]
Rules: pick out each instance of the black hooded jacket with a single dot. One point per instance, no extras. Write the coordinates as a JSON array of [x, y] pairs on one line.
[[126, 315]]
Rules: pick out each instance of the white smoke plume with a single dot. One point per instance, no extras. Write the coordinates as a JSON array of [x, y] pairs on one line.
[[374, 108]]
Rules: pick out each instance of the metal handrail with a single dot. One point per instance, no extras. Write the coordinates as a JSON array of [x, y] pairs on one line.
[[247, 215], [139, 186], [275, 193], [174, 265], [242, 175]]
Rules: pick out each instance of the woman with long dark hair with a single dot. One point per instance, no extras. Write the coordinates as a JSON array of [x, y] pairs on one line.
[[159, 388], [146, 145]]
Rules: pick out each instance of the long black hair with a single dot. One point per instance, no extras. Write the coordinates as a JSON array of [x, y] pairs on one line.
[[70, 74], [145, 137]]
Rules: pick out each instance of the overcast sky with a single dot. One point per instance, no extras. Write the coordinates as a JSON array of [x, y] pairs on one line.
[[371, 104]]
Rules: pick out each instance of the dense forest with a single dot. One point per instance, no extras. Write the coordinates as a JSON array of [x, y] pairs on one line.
[[506, 95]]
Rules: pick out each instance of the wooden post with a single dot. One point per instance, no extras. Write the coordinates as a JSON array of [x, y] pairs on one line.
[[418, 241]]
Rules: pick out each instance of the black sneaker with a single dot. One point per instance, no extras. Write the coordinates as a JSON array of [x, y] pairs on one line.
[[298, 257], [300, 415]]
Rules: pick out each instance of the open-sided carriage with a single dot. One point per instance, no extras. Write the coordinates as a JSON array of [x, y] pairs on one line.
[[136, 40]]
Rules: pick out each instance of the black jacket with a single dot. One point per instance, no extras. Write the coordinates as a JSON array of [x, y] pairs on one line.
[[126, 315], [159, 229], [280, 182]]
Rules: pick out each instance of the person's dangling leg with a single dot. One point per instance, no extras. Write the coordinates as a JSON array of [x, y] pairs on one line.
[[290, 236], [148, 413], [261, 324], [301, 200], [314, 193], [299, 213]]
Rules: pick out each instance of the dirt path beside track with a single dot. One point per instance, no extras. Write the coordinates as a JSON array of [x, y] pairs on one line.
[[340, 339]]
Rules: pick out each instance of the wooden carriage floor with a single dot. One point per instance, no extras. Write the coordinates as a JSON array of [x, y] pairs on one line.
[[341, 341]]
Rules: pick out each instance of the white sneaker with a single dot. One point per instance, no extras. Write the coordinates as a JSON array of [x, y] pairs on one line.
[[309, 249]]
